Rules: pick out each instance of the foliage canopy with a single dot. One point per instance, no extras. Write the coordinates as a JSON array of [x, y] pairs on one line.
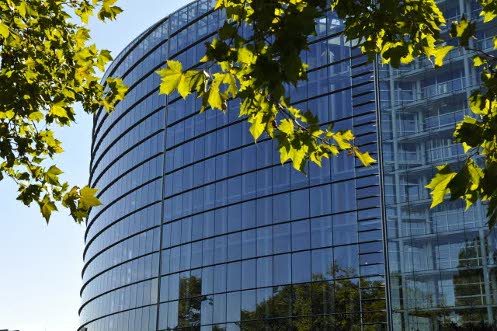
[[47, 66]]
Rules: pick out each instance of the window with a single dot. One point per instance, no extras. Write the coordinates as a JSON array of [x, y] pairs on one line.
[[174, 259], [173, 287], [186, 230], [248, 215], [233, 304], [220, 249], [197, 227], [206, 310], [163, 310], [322, 264], [248, 305], [300, 204], [164, 288], [249, 185], [280, 178], [282, 269], [220, 278], [234, 217], [248, 274], [282, 238], [185, 257], [172, 321], [234, 275], [343, 196], [196, 254], [281, 207], [248, 159], [207, 280], [264, 241], [208, 219], [234, 189], [346, 261], [344, 228], [321, 232], [248, 244], [320, 200], [234, 246], [264, 182], [264, 211], [300, 235], [235, 162], [175, 233], [301, 267], [208, 248], [264, 271]]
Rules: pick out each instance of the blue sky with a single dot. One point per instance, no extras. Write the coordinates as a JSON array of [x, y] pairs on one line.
[[40, 266]]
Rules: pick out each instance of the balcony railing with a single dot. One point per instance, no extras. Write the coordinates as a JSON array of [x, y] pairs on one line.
[[443, 88]]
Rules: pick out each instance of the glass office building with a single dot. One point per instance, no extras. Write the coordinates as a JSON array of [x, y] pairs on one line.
[[201, 229], [441, 261]]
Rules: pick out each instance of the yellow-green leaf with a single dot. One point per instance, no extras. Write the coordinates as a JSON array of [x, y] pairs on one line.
[[365, 158], [439, 183], [440, 53], [215, 98], [286, 126], [4, 30], [36, 116], [58, 111], [87, 198], [257, 127], [171, 77]]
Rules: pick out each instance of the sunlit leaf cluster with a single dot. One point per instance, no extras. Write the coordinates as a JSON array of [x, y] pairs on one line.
[[258, 68], [48, 65], [399, 31], [256, 58]]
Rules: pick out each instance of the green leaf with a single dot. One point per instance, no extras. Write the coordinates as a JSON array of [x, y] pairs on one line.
[[257, 127], [475, 173], [108, 12], [479, 104], [343, 139], [88, 198], [488, 15], [286, 126], [4, 30], [439, 184], [52, 175], [59, 111], [171, 77], [478, 61], [191, 81], [230, 81], [220, 3], [246, 56], [216, 100], [464, 30], [440, 53], [470, 132], [47, 206], [365, 158], [293, 150], [36, 116]]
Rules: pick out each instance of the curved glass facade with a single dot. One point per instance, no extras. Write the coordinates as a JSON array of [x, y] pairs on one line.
[[201, 229]]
